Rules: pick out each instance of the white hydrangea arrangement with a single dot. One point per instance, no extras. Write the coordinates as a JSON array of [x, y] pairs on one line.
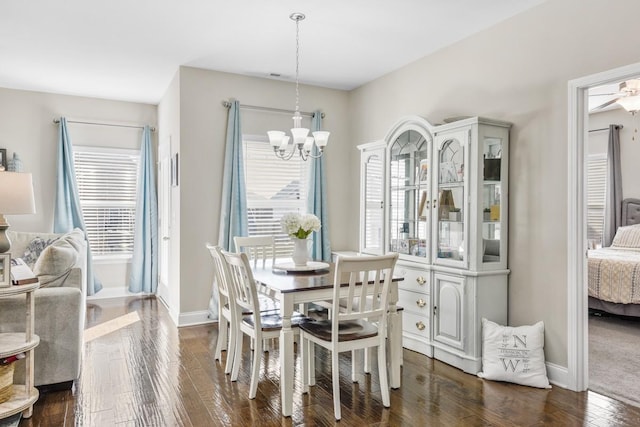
[[299, 226]]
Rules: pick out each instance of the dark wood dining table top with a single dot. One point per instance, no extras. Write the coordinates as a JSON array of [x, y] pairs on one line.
[[288, 281]]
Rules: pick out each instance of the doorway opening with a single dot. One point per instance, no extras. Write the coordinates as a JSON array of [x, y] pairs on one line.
[[577, 310]]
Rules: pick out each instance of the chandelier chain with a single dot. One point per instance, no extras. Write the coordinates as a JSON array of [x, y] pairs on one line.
[[297, 61]]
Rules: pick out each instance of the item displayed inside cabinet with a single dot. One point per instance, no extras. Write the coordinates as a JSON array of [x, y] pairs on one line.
[[423, 172], [494, 213], [446, 204], [492, 169], [423, 207], [448, 173]]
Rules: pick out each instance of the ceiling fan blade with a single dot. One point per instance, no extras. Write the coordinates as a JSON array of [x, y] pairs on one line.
[[605, 94], [604, 105]]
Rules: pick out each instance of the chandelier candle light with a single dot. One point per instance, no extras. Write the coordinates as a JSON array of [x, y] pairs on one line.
[[301, 141], [299, 228]]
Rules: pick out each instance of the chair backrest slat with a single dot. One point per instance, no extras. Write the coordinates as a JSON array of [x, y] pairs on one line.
[[221, 273], [257, 248], [365, 302], [243, 284]]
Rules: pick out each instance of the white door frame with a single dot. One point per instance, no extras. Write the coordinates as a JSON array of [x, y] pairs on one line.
[[164, 219], [577, 292]]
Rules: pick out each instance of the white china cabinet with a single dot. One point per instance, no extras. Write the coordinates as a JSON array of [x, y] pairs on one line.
[[438, 195]]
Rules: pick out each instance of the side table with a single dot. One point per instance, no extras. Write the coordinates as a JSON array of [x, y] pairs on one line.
[[24, 395]]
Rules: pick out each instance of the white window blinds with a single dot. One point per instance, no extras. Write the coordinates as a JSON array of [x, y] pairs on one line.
[[274, 187], [596, 189], [107, 183]]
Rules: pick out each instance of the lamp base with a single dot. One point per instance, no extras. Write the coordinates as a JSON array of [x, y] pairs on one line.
[[5, 244]]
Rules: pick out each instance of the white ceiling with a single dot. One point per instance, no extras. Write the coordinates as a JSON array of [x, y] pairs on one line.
[[131, 49]]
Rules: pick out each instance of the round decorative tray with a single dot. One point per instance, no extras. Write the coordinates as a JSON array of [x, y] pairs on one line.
[[311, 266]]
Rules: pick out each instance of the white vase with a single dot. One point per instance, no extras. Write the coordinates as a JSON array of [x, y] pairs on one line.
[[300, 254]]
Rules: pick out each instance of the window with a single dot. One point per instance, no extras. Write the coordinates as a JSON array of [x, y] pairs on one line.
[[274, 187], [107, 183], [596, 189]]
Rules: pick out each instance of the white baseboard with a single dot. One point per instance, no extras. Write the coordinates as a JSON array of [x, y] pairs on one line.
[[107, 293], [558, 375], [194, 318]]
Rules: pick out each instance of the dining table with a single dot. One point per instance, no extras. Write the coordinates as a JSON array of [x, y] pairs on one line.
[[292, 288]]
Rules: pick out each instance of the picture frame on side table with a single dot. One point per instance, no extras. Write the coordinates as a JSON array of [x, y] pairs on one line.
[[5, 270], [3, 159]]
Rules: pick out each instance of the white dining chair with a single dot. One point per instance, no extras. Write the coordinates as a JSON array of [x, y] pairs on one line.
[[257, 325], [258, 248], [357, 326], [226, 323]]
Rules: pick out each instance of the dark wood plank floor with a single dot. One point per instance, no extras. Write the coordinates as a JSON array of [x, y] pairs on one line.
[[148, 373]]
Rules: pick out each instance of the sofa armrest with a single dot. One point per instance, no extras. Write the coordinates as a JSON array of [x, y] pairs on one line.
[[75, 279]]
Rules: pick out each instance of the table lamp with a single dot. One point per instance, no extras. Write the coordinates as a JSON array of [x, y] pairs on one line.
[[16, 197]]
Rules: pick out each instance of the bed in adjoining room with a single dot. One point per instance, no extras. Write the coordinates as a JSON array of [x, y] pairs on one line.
[[614, 272]]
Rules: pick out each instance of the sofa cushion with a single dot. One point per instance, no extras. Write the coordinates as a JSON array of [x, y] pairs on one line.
[[56, 260], [34, 249]]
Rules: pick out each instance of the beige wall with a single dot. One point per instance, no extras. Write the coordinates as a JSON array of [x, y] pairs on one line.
[[26, 127], [516, 71], [203, 122]]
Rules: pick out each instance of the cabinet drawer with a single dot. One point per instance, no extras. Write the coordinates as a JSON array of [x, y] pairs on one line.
[[414, 302], [414, 280], [416, 324]]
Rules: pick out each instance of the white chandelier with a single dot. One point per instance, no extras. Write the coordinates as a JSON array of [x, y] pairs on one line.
[[300, 141]]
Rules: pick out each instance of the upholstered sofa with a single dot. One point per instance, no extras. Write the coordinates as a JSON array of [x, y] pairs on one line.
[[59, 261]]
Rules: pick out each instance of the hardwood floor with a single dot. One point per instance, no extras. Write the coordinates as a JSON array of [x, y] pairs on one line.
[[146, 372]]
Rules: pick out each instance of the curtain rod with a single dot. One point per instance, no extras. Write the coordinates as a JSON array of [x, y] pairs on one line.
[[120, 125], [227, 104], [598, 130]]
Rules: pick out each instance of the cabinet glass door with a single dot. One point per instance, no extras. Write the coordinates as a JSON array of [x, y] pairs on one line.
[[492, 191], [451, 203], [409, 212], [373, 203]]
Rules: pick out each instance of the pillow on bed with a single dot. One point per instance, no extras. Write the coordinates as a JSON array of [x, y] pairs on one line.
[[515, 355], [627, 237]]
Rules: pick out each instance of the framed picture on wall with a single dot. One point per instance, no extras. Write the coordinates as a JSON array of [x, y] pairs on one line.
[[174, 170], [3, 159]]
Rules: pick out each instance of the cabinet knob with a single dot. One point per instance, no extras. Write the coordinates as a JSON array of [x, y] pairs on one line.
[[421, 280], [420, 326], [421, 303], [435, 203]]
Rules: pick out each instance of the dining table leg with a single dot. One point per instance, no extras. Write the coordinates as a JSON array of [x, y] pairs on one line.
[[286, 356], [395, 345]]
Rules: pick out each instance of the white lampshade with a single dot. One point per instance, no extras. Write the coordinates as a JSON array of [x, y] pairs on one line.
[[275, 137], [284, 142], [321, 137], [308, 143], [16, 197], [630, 103], [299, 135], [16, 193]]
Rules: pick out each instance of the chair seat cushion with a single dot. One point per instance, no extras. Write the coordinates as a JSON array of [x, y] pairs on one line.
[[267, 303], [273, 321], [347, 331]]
